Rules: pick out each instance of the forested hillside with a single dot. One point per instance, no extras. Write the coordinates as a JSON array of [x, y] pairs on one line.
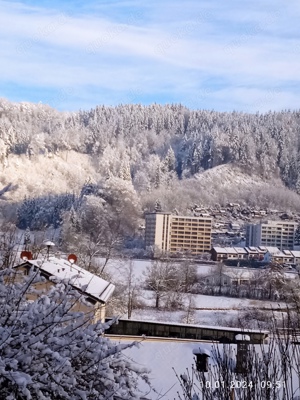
[[163, 138], [163, 151]]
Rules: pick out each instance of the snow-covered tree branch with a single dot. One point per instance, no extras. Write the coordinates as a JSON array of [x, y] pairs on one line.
[[48, 351]]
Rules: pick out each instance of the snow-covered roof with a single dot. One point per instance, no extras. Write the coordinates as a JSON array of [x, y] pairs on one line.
[[274, 251], [252, 250], [262, 249], [230, 250], [225, 250], [213, 327], [220, 250], [295, 253], [201, 350], [79, 278], [240, 250]]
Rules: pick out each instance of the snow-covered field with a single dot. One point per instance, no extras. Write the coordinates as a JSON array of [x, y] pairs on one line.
[[209, 310], [116, 267]]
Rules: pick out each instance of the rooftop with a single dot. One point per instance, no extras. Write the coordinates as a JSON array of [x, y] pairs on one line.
[[79, 278]]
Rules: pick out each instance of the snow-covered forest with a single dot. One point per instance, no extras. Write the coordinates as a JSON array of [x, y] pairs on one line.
[[153, 141], [132, 155]]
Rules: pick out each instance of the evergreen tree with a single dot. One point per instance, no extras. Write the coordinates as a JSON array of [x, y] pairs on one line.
[[170, 160]]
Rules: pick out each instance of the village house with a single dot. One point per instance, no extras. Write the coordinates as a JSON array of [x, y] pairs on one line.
[[261, 253], [278, 256], [294, 255], [253, 253], [228, 253], [229, 277], [95, 291]]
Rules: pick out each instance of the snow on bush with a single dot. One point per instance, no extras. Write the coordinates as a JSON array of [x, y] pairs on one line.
[[48, 351]]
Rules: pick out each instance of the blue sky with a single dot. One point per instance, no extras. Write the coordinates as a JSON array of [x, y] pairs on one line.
[[221, 55]]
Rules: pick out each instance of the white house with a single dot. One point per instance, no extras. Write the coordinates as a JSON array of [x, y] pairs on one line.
[[229, 277]]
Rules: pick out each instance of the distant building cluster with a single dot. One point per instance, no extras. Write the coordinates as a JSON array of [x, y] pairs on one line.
[[168, 233], [261, 253]]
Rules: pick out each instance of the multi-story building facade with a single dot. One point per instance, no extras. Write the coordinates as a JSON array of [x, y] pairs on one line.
[[279, 234], [174, 233]]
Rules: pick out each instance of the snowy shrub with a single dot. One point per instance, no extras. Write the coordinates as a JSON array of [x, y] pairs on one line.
[[48, 351]]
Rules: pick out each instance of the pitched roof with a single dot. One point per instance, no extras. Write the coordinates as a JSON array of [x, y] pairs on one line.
[[252, 250], [240, 250], [295, 253], [274, 251], [79, 278], [220, 249]]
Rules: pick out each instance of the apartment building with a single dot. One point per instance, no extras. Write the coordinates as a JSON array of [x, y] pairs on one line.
[[279, 234], [174, 233]]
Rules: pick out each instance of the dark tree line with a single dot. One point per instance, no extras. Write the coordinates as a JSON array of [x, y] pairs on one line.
[[42, 212]]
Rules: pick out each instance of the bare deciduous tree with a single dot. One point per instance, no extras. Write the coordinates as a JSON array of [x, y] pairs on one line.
[[161, 278]]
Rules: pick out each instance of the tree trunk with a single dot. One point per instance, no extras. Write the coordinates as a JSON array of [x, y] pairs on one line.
[[129, 311], [157, 300]]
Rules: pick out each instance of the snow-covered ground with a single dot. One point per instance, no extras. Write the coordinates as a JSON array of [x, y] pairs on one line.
[[204, 305], [116, 267], [164, 359], [160, 358], [201, 317], [209, 310]]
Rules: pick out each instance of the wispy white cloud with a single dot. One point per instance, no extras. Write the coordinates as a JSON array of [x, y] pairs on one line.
[[228, 56]]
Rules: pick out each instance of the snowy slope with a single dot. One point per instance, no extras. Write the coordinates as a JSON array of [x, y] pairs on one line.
[[65, 172], [227, 175]]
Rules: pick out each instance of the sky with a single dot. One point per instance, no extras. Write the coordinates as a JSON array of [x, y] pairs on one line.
[[205, 54]]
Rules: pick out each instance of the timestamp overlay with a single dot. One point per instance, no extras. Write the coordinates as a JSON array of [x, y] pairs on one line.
[[242, 384]]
